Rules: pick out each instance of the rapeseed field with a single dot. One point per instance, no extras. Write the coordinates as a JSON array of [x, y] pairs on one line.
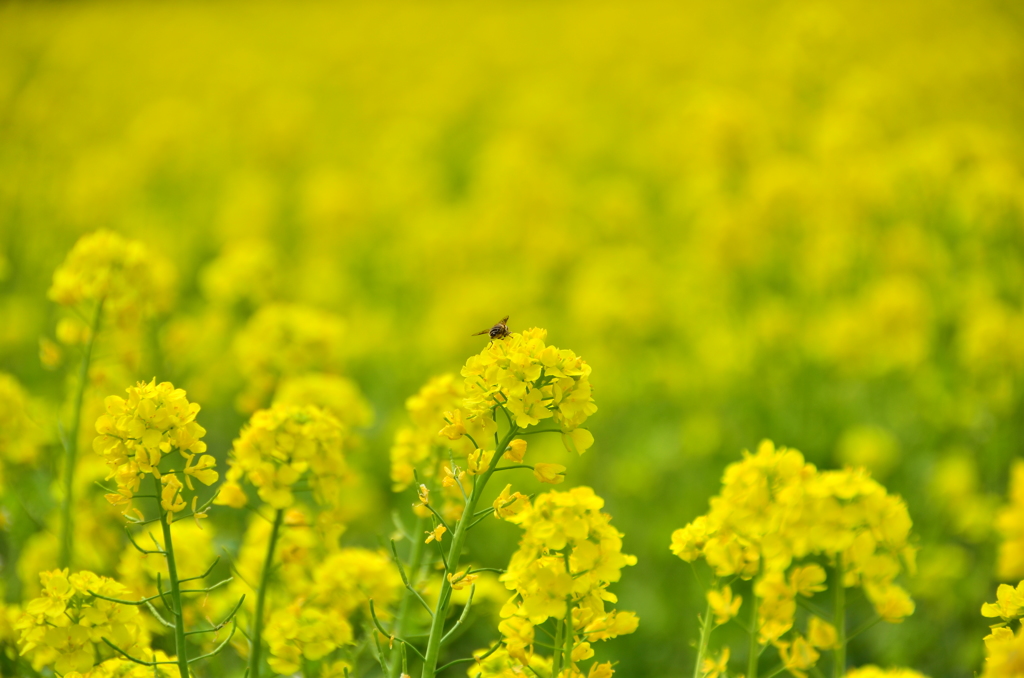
[[504, 339]]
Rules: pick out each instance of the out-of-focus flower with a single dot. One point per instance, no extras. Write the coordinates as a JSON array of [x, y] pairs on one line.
[[285, 340], [64, 628], [279, 447], [130, 280]]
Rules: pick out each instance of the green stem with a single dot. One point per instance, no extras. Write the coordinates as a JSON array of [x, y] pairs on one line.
[[702, 646], [71, 443], [755, 646], [261, 598], [454, 555], [172, 573], [556, 662], [415, 561], [569, 636], [839, 621]]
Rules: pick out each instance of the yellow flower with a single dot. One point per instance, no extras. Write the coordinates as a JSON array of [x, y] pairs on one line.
[[282, 445], [510, 503], [479, 461], [798, 656], [516, 451], [203, 471], [455, 428], [129, 279], [170, 496], [435, 534], [460, 580], [807, 580], [822, 634], [715, 667], [723, 604], [64, 628], [137, 433], [551, 474], [1009, 601]]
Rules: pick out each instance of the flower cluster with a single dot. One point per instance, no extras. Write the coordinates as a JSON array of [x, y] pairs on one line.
[[124, 275], [136, 435], [533, 382], [776, 513], [568, 556], [283, 340], [245, 272], [319, 621], [1004, 648], [280, 446], [65, 626]]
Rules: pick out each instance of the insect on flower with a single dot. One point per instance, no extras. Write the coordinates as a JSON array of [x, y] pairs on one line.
[[499, 331]]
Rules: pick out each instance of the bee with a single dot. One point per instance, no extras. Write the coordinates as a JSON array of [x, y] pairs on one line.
[[499, 331]]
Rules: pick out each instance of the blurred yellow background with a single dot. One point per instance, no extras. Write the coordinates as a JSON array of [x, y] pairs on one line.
[[792, 220]]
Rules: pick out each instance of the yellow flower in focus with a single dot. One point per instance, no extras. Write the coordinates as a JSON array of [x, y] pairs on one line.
[[532, 380], [137, 433], [552, 474], [510, 503], [1009, 601], [460, 580], [170, 496], [479, 461], [454, 429], [435, 534], [516, 451]]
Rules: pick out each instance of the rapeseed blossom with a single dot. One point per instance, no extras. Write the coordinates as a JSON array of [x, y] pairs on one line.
[[533, 382], [278, 448], [325, 598], [773, 514], [125, 276], [64, 628], [285, 340], [567, 558], [1004, 647], [136, 434]]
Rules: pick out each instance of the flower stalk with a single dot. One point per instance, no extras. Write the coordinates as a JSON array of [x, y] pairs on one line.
[[71, 443], [702, 645], [261, 597], [454, 556], [172, 574], [398, 628], [839, 621]]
